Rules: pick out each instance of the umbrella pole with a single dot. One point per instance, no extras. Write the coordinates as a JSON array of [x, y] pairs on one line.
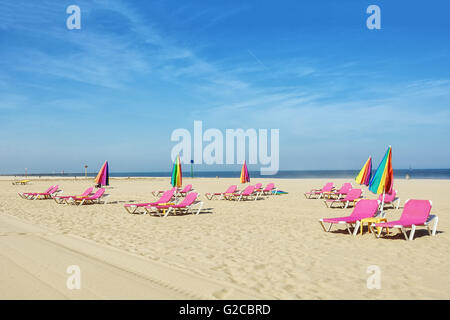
[[382, 202]]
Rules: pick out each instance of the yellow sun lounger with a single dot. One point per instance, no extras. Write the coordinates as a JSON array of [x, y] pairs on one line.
[[21, 182]]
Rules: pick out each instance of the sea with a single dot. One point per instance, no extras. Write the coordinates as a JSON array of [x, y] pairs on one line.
[[283, 174]]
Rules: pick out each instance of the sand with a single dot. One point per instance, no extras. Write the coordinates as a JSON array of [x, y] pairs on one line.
[[267, 249]]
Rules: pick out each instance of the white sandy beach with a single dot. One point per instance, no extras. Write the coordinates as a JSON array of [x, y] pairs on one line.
[[272, 248]]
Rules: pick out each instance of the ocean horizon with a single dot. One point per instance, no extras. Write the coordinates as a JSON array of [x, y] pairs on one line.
[[282, 174]]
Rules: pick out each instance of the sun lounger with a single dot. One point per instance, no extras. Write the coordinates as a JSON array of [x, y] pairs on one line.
[[390, 199], [249, 193], [185, 190], [338, 194], [41, 195], [220, 195], [365, 208], [26, 195], [258, 187], [352, 197], [318, 193], [158, 193], [166, 197], [98, 197], [269, 189], [184, 207], [64, 199], [415, 213], [21, 182]]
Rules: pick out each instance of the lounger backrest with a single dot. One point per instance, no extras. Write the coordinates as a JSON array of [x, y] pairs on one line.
[[49, 189], [365, 208], [328, 187], [269, 187], [416, 210], [353, 194], [167, 195], [54, 189], [346, 187], [248, 191], [231, 189], [87, 191], [389, 197], [189, 199], [258, 186], [98, 193], [187, 188]]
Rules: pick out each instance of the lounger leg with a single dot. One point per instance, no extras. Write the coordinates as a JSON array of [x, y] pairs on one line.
[[435, 225], [375, 234], [398, 203], [168, 211], [411, 233], [200, 208], [323, 227], [404, 233], [355, 232], [348, 229]]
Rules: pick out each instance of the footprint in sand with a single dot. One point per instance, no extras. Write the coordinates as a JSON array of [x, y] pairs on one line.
[[222, 294]]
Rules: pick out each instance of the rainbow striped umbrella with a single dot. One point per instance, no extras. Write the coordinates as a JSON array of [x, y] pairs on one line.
[[366, 173], [102, 178], [177, 175], [383, 179], [244, 173]]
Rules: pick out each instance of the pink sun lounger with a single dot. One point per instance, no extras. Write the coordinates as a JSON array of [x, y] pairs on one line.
[[26, 195], [318, 193], [184, 207], [338, 194], [363, 209], [166, 197], [353, 196], [185, 190], [98, 196], [41, 195], [415, 213], [390, 199], [269, 189], [220, 195], [64, 199], [249, 193]]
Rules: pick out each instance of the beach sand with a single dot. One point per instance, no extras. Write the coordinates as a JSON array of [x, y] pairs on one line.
[[272, 248]]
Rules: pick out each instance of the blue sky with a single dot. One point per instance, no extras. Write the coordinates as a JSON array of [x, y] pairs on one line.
[[137, 70]]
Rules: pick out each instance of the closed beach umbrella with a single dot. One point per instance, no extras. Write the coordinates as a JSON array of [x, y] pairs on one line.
[[366, 173], [102, 178], [383, 179], [245, 177], [177, 175]]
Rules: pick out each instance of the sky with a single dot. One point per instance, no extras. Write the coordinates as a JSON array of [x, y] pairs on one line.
[[136, 71]]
